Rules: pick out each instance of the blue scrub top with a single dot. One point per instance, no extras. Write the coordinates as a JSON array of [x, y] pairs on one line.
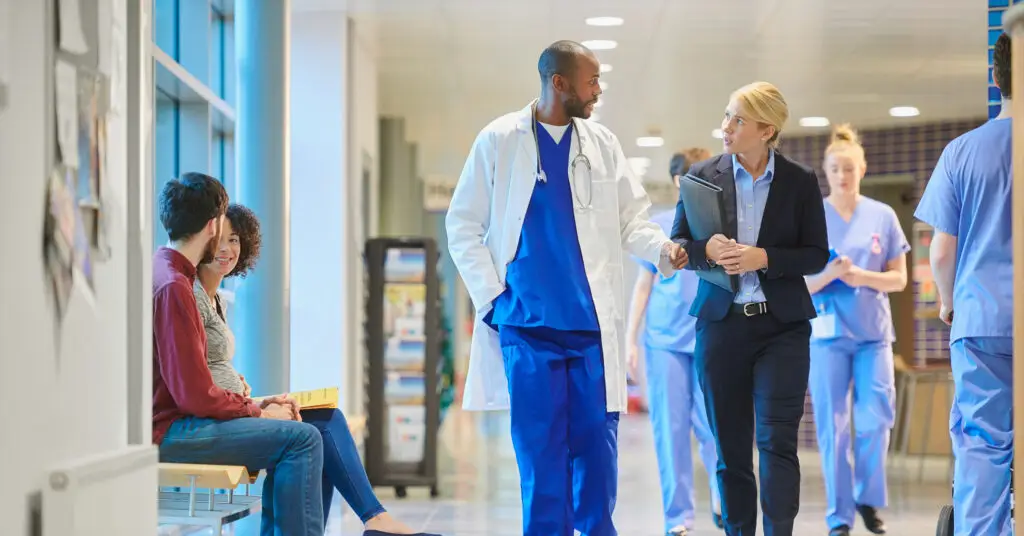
[[871, 239], [970, 197], [668, 324], [546, 283]]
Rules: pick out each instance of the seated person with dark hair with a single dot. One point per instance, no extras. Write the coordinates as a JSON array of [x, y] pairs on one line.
[[194, 420], [343, 470]]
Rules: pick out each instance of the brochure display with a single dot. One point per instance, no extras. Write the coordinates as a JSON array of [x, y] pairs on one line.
[[403, 361]]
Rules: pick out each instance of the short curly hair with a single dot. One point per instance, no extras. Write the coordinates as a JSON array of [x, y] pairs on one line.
[[247, 226]]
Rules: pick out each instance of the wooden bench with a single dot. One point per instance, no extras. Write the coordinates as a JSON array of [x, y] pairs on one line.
[[180, 508]]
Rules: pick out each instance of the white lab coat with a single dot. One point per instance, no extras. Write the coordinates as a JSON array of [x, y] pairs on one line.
[[485, 219]]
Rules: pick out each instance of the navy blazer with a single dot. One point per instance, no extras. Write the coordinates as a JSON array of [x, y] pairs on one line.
[[793, 234]]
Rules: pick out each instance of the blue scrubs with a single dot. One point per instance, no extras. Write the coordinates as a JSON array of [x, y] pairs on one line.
[[851, 342], [969, 196], [564, 438], [675, 397]]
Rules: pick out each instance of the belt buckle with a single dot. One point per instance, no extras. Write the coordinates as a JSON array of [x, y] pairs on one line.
[[748, 307]]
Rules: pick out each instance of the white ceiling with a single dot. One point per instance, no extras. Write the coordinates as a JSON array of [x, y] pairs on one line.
[[449, 66]]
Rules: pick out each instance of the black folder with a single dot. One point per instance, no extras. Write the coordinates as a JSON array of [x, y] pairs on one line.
[[704, 208]]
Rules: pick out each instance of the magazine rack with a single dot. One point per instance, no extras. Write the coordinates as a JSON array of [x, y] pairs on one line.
[[402, 363]]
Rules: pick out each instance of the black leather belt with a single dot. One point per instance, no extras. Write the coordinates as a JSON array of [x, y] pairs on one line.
[[750, 309]]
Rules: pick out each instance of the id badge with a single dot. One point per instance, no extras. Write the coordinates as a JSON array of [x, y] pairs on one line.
[[824, 325]]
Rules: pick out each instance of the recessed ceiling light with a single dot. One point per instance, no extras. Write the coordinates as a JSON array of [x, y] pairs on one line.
[[650, 141], [717, 133], [600, 44], [904, 111], [603, 85], [814, 121], [606, 67], [604, 21]]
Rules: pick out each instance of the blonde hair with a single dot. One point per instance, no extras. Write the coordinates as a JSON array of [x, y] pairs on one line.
[[764, 103], [845, 139]]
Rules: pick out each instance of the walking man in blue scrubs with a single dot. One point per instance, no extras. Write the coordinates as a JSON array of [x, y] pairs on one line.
[[968, 202], [675, 397], [537, 225]]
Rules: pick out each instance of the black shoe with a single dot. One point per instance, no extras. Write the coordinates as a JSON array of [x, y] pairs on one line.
[[841, 530], [872, 522], [719, 520]]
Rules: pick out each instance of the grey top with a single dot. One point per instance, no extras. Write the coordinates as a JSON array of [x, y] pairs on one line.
[[220, 342]]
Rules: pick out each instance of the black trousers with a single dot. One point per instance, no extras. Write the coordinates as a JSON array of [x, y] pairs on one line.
[[753, 371]]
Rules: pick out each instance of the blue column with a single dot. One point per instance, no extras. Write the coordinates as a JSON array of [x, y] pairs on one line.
[[260, 316], [995, 28]]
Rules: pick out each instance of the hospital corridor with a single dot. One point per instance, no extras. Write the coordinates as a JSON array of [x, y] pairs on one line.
[[482, 489], [485, 268]]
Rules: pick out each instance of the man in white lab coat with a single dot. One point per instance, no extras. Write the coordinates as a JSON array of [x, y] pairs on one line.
[[537, 226]]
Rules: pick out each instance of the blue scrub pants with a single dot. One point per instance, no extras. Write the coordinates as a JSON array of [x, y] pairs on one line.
[[835, 364], [564, 438], [676, 407], [981, 427]]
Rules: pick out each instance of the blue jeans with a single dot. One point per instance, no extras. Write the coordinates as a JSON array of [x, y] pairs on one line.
[[343, 470], [291, 452]]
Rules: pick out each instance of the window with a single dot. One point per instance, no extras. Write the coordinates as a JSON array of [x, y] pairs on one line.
[[194, 129]]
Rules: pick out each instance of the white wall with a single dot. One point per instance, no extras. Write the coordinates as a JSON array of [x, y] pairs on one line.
[[63, 386], [334, 123]]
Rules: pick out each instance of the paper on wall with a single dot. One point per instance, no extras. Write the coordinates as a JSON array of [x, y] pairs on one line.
[[66, 93], [5, 47], [72, 39], [104, 23], [117, 70]]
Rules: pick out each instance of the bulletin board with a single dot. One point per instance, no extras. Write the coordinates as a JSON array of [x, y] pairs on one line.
[[87, 58]]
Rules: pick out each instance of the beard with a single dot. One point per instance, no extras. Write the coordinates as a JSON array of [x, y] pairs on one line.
[[575, 107], [211, 249]]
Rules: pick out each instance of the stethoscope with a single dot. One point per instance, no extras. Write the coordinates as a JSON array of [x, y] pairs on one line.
[[580, 157]]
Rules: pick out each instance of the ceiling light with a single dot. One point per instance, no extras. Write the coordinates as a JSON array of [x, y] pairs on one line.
[[650, 141], [604, 21], [603, 85], [606, 67], [814, 121], [639, 165], [904, 111], [600, 44], [717, 133]]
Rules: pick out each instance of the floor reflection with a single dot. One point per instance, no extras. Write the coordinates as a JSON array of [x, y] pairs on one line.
[[480, 488]]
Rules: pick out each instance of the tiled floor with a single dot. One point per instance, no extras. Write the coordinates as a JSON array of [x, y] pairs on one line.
[[480, 489]]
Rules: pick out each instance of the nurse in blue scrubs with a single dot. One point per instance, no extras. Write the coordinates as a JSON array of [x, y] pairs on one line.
[[851, 340], [968, 203], [676, 403]]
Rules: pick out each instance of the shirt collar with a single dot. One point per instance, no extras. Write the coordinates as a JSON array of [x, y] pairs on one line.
[[178, 261], [769, 170]]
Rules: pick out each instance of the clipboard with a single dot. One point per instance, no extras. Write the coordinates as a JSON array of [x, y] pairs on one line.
[[704, 208]]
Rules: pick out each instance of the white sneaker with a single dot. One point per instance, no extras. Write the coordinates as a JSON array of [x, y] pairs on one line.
[[678, 531]]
